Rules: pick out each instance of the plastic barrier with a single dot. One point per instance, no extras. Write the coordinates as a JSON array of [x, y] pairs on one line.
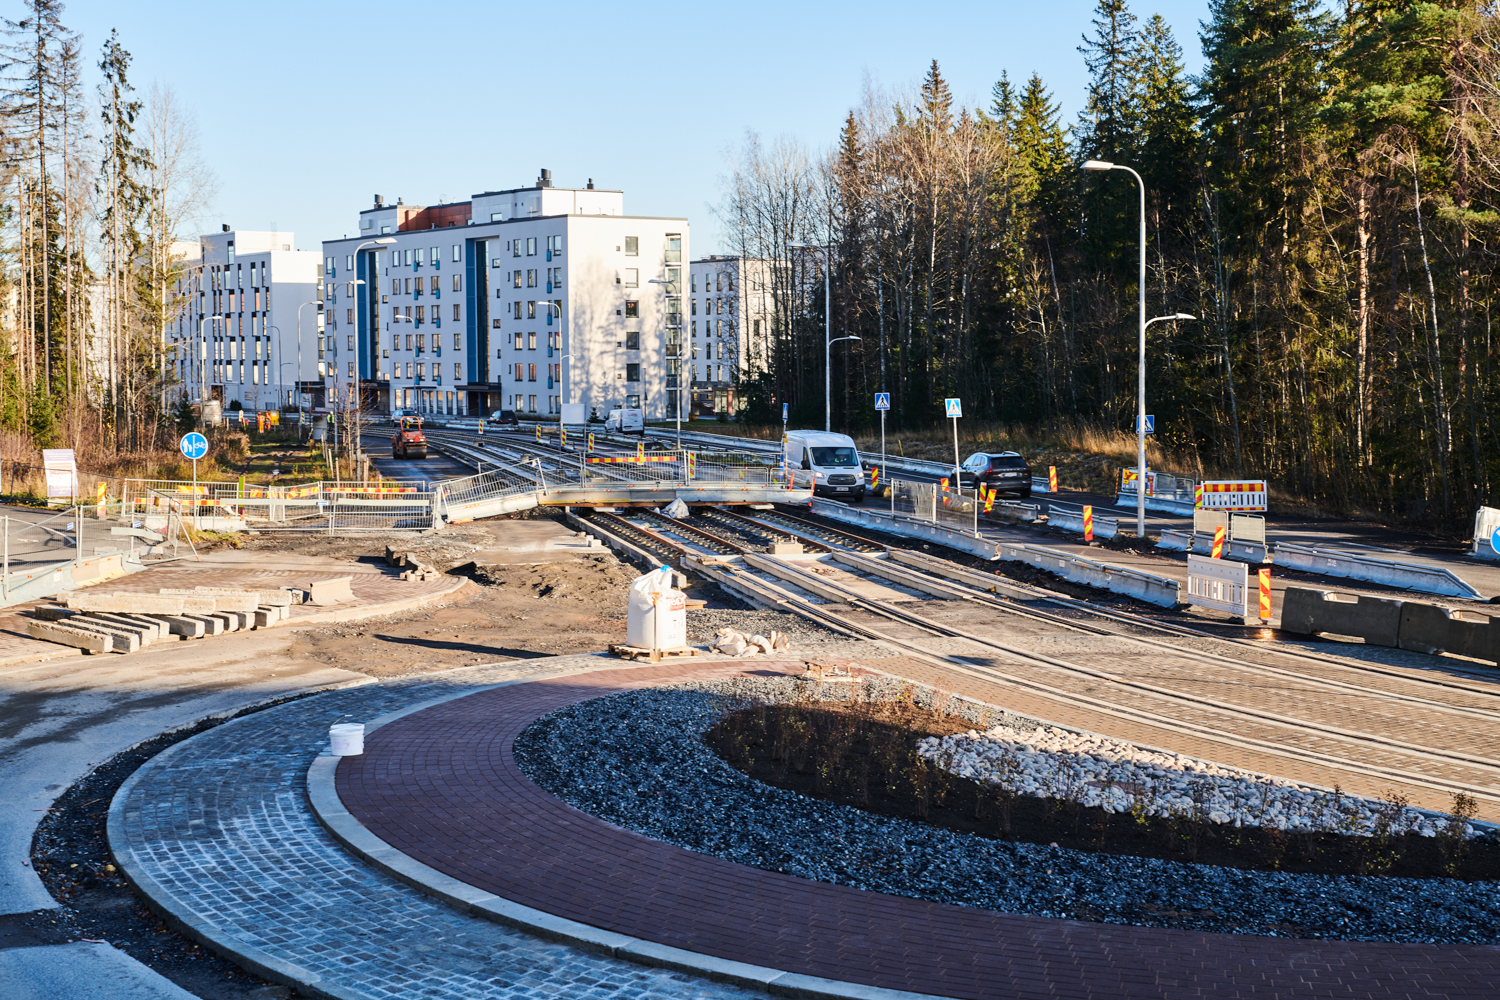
[[1386, 572], [1072, 520], [1486, 544]]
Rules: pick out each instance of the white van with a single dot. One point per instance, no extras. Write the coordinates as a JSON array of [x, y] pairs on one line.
[[626, 421], [827, 462]]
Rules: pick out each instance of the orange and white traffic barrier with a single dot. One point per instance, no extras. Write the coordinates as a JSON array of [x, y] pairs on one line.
[[1218, 550], [1265, 594], [1088, 523]]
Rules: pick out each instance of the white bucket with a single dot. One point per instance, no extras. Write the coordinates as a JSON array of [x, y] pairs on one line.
[[348, 738]]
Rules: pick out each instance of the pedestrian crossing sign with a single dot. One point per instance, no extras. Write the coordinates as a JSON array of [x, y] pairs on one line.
[[953, 408], [882, 401]]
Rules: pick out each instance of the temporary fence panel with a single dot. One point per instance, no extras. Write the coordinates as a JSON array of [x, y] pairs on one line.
[[1218, 584], [1242, 495]]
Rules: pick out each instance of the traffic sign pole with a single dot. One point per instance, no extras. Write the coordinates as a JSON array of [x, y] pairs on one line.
[[954, 408], [883, 404]]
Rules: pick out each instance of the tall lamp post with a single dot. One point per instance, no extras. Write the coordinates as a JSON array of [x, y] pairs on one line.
[[1140, 416], [374, 325], [827, 330]]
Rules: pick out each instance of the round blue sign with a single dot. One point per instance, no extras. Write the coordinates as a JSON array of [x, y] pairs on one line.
[[1495, 539], [193, 445]]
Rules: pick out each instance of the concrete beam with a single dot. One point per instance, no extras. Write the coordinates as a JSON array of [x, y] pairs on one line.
[[188, 628], [268, 598], [140, 604], [222, 601], [67, 635]]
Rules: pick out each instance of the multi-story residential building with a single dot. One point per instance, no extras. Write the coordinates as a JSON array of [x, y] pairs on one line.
[[729, 317], [520, 299], [240, 307]]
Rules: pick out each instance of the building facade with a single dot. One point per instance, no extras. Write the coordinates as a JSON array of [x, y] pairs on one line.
[[244, 304], [521, 299], [729, 314]]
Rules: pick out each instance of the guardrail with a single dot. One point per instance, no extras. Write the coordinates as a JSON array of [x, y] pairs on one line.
[[1389, 573], [1413, 625]]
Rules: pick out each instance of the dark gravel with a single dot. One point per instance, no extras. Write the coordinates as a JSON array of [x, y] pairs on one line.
[[638, 760]]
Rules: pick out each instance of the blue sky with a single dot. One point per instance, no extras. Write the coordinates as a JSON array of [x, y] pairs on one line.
[[308, 109]]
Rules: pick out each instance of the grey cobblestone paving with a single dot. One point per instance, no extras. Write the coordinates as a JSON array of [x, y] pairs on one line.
[[221, 823]]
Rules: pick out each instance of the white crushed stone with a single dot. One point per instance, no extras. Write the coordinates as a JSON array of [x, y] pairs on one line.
[[1122, 777]]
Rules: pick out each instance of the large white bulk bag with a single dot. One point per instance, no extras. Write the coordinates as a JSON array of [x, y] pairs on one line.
[[657, 614]]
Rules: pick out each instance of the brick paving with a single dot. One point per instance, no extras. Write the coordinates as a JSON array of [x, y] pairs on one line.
[[442, 786], [219, 828], [372, 584]]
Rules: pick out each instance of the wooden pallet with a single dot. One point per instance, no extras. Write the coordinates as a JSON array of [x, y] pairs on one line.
[[653, 655]]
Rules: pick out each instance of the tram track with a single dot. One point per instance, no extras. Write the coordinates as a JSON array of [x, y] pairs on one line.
[[1214, 694]]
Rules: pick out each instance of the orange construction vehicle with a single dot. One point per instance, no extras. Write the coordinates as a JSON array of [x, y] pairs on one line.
[[408, 441]]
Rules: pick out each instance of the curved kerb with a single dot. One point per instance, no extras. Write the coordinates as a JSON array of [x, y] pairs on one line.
[[364, 843]]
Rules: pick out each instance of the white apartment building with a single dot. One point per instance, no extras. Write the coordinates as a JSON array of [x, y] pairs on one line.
[[520, 299], [729, 314], [240, 308]]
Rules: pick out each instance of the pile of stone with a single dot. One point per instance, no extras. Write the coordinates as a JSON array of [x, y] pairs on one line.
[[733, 642], [127, 622], [1118, 777]]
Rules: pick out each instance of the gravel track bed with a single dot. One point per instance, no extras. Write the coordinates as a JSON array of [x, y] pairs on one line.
[[638, 759]]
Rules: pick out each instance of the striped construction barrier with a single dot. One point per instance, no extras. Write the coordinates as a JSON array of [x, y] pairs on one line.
[[1243, 495]]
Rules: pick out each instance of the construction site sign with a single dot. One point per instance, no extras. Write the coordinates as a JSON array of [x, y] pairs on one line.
[[1244, 495]]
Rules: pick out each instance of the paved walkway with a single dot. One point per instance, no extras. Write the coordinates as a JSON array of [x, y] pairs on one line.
[[218, 830], [441, 785]]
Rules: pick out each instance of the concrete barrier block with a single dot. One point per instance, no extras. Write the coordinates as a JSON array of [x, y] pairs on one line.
[[121, 640], [1432, 628], [242, 600], [149, 628], [67, 635], [153, 604], [324, 593], [212, 624], [267, 598], [1377, 620], [188, 628], [266, 617]]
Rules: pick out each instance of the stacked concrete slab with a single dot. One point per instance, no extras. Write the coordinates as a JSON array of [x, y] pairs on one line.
[[126, 622]]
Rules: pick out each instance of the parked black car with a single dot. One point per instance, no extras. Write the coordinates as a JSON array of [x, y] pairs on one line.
[[505, 417], [1006, 473]]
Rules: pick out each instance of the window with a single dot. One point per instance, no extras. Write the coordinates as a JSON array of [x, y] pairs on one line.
[[351, 342], [531, 246], [632, 246], [408, 342], [531, 341], [633, 341], [757, 327], [351, 370], [455, 315], [693, 281], [494, 262], [497, 217], [674, 248], [633, 402], [421, 343], [408, 369], [408, 285], [632, 277], [531, 310], [458, 283], [421, 371], [532, 400], [531, 277], [632, 310], [520, 373], [458, 252], [515, 248], [520, 341], [349, 262], [517, 309], [694, 309], [457, 341], [458, 372], [351, 314], [436, 257], [554, 276], [674, 281], [531, 373], [421, 314], [554, 244], [433, 284], [385, 230], [632, 373], [495, 323]]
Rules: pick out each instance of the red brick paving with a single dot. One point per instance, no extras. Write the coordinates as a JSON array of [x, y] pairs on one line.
[[442, 786]]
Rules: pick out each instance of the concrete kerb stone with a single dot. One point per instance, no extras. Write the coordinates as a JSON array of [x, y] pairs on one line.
[[323, 796]]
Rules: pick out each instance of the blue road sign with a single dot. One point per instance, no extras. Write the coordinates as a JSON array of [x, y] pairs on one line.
[[1150, 423], [785, 409], [1495, 539], [882, 401], [953, 408], [193, 445]]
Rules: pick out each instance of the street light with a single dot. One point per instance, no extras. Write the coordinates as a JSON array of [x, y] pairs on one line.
[[827, 331], [1140, 418], [375, 326]]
